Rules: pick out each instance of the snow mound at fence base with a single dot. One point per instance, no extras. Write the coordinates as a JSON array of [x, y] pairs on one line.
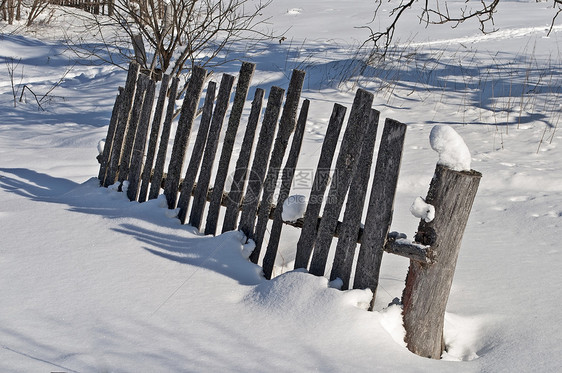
[[136, 287]]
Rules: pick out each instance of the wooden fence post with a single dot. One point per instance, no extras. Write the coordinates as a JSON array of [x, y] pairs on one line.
[[187, 117], [197, 152], [319, 185], [346, 164], [242, 87], [204, 179], [381, 202], [104, 160], [286, 128], [122, 124], [347, 239], [158, 174], [428, 285], [153, 139], [241, 171], [259, 164], [137, 156], [286, 182], [129, 141]]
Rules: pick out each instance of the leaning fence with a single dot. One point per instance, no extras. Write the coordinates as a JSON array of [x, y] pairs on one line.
[[136, 150]]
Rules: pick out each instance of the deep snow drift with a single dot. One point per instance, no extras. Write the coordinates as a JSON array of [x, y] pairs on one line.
[[92, 282]]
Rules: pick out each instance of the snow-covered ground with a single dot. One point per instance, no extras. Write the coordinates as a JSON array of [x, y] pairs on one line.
[[91, 282]]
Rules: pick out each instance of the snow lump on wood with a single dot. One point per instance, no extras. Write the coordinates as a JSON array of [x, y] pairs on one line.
[[453, 152]]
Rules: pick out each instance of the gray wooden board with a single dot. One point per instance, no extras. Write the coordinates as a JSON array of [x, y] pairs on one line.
[[346, 164], [287, 180], [347, 240], [157, 175], [319, 185], [153, 139], [379, 211], [241, 171], [122, 123], [197, 153], [127, 153], [181, 139], [244, 79], [139, 146], [104, 161], [204, 179], [259, 164], [286, 127]]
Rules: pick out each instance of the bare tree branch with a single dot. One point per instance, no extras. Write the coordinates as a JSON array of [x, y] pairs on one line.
[[181, 33], [436, 13]]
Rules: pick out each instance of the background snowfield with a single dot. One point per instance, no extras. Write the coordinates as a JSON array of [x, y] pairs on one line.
[[90, 282]]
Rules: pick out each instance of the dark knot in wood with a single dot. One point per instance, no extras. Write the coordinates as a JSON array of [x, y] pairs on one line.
[[426, 236]]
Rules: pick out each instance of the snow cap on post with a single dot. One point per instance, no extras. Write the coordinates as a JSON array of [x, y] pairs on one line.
[[453, 152]]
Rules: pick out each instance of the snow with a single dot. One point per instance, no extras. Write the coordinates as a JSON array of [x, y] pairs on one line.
[[92, 282], [422, 210], [451, 147], [294, 207]]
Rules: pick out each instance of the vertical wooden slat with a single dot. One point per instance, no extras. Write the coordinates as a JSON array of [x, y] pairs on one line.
[[127, 152], [106, 153], [347, 239], [259, 165], [241, 171], [137, 157], [153, 140], [287, 180], [204, 179], [319, 185], [381, 201], [187, 117], [244, 79], [197, 153], [286, 127], [156, 182], [123, 122], [345, 168]]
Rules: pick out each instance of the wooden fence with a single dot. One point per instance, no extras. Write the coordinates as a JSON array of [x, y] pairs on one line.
[[136, 150], [103, 7]]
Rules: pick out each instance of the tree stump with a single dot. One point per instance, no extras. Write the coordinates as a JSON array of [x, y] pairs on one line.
[[428, 285]]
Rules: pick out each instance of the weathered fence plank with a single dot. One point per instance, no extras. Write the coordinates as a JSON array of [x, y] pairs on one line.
[[347, 241], [197, 153], [244, 79], [287, 180], [259, 164], [158, 174], [241, 171], [106, 153], [137, 157], [319, 185], [153, 139], [286, 127], [427, 288], [346, 164], [187, 117], [204, 179], [122, 123], [381, 202], [125, 163]]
